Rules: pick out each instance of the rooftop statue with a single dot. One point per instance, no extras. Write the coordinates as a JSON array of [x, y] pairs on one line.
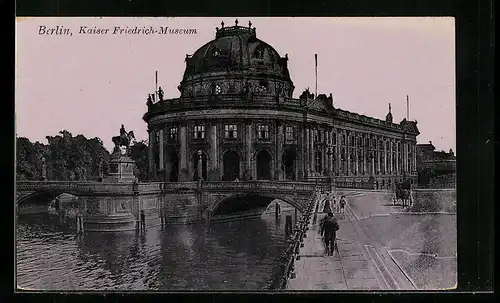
[[160, 94]]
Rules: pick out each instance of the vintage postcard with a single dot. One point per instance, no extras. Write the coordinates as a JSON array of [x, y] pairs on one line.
[[174, 154]]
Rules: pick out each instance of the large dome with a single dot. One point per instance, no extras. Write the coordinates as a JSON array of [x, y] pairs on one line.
[[236, 56]]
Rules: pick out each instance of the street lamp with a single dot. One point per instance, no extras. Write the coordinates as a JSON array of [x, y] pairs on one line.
[[329, 152]]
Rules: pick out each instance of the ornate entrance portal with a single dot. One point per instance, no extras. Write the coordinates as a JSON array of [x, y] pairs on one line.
[[288, 161], [263, 165], [174, 167], [196, 164], [231, 162]]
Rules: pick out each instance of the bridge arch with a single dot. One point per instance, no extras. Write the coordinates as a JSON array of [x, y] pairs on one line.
[[42, 197], [293, 202]]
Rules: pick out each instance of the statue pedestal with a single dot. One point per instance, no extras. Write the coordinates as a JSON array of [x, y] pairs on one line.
[[121, 169]]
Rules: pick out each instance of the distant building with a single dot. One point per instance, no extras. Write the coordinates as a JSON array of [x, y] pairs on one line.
[[435, 168], [236, 119]]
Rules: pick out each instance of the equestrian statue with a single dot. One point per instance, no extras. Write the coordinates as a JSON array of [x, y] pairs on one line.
[[123, 141]]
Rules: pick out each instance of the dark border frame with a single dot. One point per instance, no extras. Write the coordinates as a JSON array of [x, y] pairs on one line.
[[475, 104]]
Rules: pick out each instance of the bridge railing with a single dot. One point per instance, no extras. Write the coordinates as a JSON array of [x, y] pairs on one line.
[[85, 186], [262, 185], [130, 187], [287, 263]]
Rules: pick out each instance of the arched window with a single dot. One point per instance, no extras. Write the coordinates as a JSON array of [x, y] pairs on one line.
[[289, 133], [218, 89], [263, 87], [259, 54]]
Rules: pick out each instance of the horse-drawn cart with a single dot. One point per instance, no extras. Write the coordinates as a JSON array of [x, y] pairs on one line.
[[403, 193]]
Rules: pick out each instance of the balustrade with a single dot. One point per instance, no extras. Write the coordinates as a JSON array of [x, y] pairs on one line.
[[128, 188]]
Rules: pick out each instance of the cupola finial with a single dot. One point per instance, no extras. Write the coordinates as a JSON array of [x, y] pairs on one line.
[[389, 107]]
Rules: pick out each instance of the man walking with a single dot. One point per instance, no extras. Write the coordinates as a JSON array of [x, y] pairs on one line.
[[329, 228], [342, 204]]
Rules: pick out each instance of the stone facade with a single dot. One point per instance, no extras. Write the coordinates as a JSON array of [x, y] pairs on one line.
[[436, 169], [236, 119]]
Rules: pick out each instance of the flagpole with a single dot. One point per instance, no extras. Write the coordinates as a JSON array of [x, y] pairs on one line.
[[316, 70], [407, 108], [156, 83]]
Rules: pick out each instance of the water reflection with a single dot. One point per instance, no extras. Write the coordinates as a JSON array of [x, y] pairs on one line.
[[235, 255]]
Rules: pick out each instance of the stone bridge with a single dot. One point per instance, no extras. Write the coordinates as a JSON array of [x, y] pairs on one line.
[[116, 206]]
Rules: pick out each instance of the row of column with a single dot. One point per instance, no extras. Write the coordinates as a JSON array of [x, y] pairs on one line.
[[159, 143], [330, 154], [158, 138], [392, 161]]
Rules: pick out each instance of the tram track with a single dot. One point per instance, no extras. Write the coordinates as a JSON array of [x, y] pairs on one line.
[[381, 265]]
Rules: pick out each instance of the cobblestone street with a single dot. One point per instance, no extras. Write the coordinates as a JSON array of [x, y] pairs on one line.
[[369, 260]]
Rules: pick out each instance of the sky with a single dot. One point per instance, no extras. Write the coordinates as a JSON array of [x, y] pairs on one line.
[[91, 84]]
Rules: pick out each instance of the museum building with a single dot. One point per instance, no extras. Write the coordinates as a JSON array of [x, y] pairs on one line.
[[236, 119]]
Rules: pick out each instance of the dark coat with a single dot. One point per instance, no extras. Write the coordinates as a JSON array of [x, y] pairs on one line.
[[329, 227]]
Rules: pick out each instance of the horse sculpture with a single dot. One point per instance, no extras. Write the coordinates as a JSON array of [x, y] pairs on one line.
[[124, 139], [403, 193]]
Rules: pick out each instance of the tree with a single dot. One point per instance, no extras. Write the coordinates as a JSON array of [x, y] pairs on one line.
[[139, 152], [67, 157], [28, 156]]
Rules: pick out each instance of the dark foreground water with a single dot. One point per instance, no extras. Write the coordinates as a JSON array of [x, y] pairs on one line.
[[240, 255]]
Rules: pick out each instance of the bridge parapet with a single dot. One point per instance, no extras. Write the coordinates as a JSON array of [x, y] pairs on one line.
[[75, 187], [262, 185]]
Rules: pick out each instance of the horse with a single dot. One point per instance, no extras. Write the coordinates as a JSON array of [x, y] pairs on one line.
[[123, 140], [403, 194]]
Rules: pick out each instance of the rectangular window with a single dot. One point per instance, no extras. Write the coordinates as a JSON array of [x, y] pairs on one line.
[[172, 134], [316, 135], [231, 131], [199, 132], [290, 133], [318, 163], [334, 139], [343, 139], [263, 132]]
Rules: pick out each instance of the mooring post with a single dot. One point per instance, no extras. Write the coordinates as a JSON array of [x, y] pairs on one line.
[[81, 222], [161, 216], [288, 224], [77, 224], [277, 210]]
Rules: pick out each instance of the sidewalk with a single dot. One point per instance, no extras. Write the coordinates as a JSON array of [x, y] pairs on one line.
[[348, 271]]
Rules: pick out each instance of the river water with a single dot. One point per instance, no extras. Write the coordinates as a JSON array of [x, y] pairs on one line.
[[238, 255]]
